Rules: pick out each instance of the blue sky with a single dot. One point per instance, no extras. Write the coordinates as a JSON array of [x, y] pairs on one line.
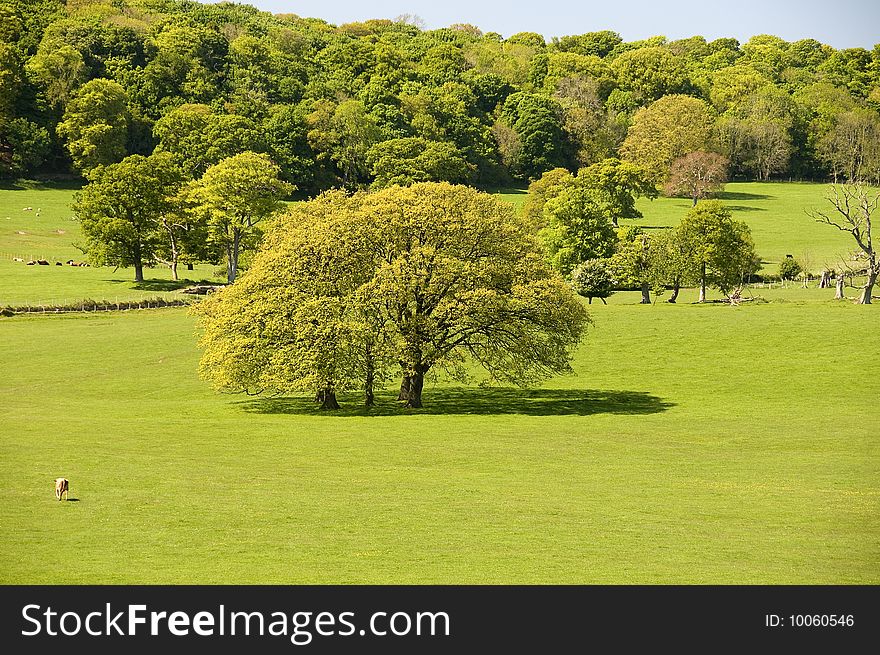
[[840, 23]]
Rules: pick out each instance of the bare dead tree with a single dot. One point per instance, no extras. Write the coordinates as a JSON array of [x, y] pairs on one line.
[[853, 206]]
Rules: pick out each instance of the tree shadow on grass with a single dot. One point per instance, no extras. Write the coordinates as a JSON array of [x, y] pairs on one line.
[[745, 208], [477, 401], [157, 284], [740, 195]]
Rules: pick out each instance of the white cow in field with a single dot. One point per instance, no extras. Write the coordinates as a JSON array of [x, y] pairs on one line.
[[62, 486]]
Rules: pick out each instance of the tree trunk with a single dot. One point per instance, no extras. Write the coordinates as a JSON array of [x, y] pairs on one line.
[[190, 267], [329, 401], [138, 264], [868, 288], [676, 287], [174, 254], [319, 396], [838, 291], [404, 388], [589, 300], [646, 294], [603, 300], [232, 265], [702, 283], [369, 399], [414, 396]]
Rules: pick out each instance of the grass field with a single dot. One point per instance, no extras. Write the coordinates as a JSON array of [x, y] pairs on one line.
[[776, 214], [51, 235], [695, 444]]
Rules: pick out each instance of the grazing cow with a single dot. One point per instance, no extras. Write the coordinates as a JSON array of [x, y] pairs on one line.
[[17, 259], [42, 262], [58, 264], [62, 486], [32, 263]]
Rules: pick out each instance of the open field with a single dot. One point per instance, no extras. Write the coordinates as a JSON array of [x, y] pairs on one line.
[[775, 212], [696, 444], [51, 235], [703, 444]]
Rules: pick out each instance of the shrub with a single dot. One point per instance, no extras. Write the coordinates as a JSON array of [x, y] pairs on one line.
[[789, 269], [592, 279]]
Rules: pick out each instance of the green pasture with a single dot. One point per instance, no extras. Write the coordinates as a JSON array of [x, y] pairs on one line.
[[48, 231], [775, 212], [696, 444]]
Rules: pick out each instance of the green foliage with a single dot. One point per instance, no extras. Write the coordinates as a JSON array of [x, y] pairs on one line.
[[592, 279], [577, 228], [651, 73], [95, 125], [119, 207], [665, 130], [411, 160], [234, 196], [630, 265], [317, 97], [720, 250], [548, 186], [537, 121], [197, 138], [347, 286], [617, 185], [789, 269], [23, 147]]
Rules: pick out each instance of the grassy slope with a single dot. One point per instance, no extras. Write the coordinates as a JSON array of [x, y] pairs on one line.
[[776, 213], [697, 444], [51, 236]]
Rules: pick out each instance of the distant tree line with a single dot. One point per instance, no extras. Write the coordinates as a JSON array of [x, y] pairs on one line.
[[87, 83]]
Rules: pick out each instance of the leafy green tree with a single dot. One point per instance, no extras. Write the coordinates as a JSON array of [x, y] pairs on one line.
[[343, 134], [461, 279], [59, 71], [593, 279], [23, 146], [671, 262], [548, 186], [119, 207], [95, 125], [789, 269], [617, 185], [599, 44], [235, 196], [721, 250], [410, 160], [631, 263], [197, 138], [665, 130], [286, 135], [852, 146], [577, 229], [651, 73], [298, 322], [537, 121], [346, 287]]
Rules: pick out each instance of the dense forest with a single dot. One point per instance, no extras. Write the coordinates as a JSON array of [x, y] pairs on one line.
[[85, 83]]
